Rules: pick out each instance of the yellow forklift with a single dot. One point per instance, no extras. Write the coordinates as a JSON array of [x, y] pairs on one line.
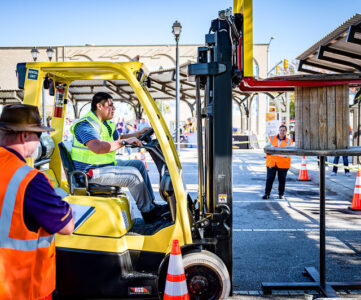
[[112, 254]]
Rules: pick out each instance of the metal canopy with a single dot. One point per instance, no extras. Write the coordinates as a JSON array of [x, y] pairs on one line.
[[162, 88], [11, 96], [338, 52]]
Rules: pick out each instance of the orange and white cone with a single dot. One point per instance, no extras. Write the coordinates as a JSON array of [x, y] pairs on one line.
[[143, 159], [356, 200], [176, 285], [303, 176]]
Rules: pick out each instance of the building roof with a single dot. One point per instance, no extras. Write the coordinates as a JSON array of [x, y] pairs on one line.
[[337, 52]]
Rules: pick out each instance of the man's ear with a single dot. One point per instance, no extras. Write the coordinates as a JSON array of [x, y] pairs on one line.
[[99, 106], [24, 136]]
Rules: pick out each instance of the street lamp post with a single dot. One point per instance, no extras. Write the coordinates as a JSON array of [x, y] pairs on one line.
[[50, 53], [177, 29], [268, 54], [34, 53], [268, 63]]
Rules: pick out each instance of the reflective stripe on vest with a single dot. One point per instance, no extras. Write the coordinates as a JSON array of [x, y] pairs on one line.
[[7, 213], [81, 153], [279, 145]]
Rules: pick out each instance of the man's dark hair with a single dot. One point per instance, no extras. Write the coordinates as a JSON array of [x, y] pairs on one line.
[[284, 126], [100, 97]]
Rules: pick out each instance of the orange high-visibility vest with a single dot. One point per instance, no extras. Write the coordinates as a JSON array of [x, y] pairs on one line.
[[282, 162], [27, 258]]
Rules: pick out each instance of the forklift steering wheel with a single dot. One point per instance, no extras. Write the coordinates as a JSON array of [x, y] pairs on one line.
[[146, 136]]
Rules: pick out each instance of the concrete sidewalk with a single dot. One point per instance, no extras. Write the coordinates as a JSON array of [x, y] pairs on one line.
[[340, 184]]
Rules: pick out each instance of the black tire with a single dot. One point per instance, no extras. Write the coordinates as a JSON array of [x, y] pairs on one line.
[[207, 276]]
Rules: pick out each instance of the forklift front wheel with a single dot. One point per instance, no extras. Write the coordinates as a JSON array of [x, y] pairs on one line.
[[207, 276]]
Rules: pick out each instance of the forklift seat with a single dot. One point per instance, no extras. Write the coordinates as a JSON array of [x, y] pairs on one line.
[[78, 180]]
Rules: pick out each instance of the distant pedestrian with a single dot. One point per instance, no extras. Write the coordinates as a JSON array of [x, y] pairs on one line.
[[120, 126], [129, 130], [345, 163], [143, 124], [277, 163]]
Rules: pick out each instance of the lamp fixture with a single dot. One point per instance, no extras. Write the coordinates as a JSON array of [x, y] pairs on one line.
[[50, 53], [34, 53], [177, 29]]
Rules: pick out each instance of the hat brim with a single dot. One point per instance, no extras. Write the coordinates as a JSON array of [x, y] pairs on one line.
[[26, 127]]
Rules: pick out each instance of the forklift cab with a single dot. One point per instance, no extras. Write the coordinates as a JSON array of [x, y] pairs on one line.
[[112, 254]]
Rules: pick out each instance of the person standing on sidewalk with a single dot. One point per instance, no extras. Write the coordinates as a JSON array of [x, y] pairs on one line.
[[345, 163], [277, 163]]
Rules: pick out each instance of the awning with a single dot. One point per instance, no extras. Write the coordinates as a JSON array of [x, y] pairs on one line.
[[338, 52], [11, 96]]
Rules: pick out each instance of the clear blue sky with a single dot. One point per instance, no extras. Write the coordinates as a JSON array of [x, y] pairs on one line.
[[295, 24]]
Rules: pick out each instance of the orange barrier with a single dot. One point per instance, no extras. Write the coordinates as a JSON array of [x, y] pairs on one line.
[[303, 176], [356, 200], [176, 285]]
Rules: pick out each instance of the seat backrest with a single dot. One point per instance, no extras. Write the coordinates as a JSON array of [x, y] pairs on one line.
[[66, 160]]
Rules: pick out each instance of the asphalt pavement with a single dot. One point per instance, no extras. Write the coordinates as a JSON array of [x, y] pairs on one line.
[[273, 239]]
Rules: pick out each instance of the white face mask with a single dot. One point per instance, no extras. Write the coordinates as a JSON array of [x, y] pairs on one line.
[[36, 154]]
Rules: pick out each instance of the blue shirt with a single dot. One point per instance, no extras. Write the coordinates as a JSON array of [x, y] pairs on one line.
[[42, 206], [85, 132], [142, 126]]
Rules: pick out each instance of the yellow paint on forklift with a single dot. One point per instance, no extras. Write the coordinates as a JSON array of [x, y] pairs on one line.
[[237, 6], [107, 219], [248, 38], [105, 229], [245, 7], [50, 174]]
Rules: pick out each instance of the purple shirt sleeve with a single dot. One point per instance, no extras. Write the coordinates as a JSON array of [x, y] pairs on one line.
[[43, 207]]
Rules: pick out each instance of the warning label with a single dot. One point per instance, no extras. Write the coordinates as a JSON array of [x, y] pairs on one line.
[[222, 198], [146, 290]]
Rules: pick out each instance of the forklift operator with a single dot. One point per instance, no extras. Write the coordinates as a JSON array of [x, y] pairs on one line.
[[93, 152], [30, 210]]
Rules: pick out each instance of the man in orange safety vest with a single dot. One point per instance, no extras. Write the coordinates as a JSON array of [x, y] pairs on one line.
[[277, 163], [30, 210]]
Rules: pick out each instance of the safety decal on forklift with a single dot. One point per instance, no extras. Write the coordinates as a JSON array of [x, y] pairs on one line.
[[125, 218], [33, 74], [222, 198], [146, 290]]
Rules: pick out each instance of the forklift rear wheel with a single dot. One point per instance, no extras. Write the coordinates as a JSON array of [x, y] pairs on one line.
[[207, 276]]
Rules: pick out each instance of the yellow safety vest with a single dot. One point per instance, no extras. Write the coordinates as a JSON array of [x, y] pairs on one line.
[[82, 153]]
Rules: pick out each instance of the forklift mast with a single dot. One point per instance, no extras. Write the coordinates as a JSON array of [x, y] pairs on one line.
[[214, 72]]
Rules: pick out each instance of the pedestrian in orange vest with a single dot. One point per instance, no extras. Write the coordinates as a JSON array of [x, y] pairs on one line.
[[277, 163], [31, 211]]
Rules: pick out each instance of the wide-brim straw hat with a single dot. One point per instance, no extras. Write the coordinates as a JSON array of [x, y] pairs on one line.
[[22, 117]]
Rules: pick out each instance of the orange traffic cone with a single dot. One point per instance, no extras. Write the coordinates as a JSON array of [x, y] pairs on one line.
[[176, 285], [143, 159], [303, 176], [356, 200]]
